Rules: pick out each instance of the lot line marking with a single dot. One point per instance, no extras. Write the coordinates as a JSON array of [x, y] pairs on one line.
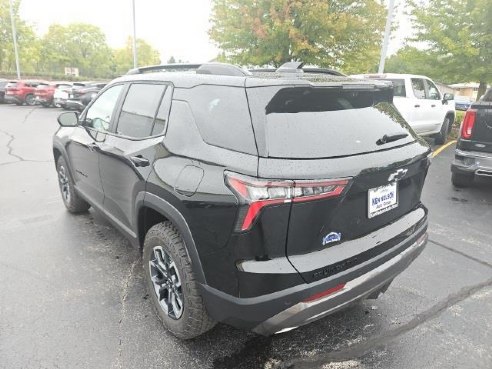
[[460, 253], [442, 148]]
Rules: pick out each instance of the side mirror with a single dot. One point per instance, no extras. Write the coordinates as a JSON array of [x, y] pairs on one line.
[[68, 119], [448, 97]]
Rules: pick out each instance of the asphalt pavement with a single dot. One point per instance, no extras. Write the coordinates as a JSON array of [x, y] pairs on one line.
[[72, 292]]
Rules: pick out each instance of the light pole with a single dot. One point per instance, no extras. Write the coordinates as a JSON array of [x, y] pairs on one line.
[[14, 36], [135, 59], [387, 32]]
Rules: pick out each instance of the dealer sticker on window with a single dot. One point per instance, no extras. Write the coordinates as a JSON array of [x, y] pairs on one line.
[[382, 199]]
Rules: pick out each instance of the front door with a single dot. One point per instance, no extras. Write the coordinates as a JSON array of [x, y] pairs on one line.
[[83, 150]]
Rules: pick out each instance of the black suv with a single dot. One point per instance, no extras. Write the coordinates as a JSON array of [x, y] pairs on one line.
[[264, 200], [473, 154]]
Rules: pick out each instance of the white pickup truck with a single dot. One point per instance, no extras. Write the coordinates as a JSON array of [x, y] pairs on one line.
[[422, 105]]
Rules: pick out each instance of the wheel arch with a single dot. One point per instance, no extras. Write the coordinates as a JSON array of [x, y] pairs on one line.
[[151, 210]]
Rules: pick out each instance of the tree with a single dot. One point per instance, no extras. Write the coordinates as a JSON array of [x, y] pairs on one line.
[[77, 45], [28, 43], [171, 60], [458, 38], [339, 34], [123, 58]]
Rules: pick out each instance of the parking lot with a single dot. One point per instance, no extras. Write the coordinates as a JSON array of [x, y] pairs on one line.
[[72, 292]]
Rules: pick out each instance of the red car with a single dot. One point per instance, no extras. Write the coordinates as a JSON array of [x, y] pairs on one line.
[[22, 92], [45, 92]]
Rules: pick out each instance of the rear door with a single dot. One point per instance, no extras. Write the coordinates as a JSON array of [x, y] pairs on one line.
[[128, 153], [422, 121], [437, 110], [310, 135]]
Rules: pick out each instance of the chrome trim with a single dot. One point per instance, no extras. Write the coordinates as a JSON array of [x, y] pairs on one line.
[[279, 322], [473, 154]]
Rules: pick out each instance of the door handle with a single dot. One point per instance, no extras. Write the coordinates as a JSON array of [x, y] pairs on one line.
[[433, 105], [417, 106], [93, 147], [140, 161]]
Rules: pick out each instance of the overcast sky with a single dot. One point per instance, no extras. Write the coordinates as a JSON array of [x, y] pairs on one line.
[[174, 27]]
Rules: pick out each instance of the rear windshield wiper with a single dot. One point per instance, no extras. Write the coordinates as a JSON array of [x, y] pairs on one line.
[[391, 138]]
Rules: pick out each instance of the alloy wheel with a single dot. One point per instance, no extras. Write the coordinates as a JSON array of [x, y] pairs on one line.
[[64, 184], [167, 283]]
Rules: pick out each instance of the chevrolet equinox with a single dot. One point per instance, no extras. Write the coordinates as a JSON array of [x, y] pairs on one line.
[[262, 199]]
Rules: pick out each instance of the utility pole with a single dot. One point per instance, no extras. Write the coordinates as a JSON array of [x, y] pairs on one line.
[[14, 36], [387, 31], [135, 58]]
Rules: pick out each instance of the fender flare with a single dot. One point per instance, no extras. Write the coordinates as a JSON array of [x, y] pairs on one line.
[[176, 218]]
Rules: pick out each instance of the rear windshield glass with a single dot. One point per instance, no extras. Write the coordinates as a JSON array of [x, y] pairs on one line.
[[221, 115], [307, 122]]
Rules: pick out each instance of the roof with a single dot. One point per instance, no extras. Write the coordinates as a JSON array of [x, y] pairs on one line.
[[189, 79], [388, 75]]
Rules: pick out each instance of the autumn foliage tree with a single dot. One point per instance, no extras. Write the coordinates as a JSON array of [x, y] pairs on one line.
[[457, 35], [343, 34]]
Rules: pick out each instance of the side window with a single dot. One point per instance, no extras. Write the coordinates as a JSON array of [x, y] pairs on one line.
[[139, 110], [399, 87], [99, 114], [418, 88], [163, 112], [432, 91]]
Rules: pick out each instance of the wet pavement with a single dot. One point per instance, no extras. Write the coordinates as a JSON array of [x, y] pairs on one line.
[[72, 292]]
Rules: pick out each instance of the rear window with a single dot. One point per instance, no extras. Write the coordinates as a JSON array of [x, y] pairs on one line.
[[398, 87], [487, 96], [42, 85], [308, 122], [222, 116]]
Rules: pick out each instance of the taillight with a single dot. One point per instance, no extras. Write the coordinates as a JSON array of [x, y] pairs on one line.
[[468, 123], [254, 194]]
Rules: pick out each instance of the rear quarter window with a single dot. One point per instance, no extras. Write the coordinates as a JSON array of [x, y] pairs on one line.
[[222, 116]]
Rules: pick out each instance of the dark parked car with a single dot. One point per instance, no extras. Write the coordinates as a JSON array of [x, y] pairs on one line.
[[265, 201], [22, 92], [473, 155], [45, 92], [462, 103], [80, 97], [3, 84]]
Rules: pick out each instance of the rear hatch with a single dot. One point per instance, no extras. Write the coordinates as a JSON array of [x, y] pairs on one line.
[[481, 139], [43, 90], [12, 88], [348, 132]]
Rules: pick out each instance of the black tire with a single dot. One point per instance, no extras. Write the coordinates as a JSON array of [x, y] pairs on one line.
[[30, 100], [461, 180], [442, 136], [193, 319], [73, 202]]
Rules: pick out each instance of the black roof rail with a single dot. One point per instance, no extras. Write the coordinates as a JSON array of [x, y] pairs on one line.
[[164, 68], [206, 68], [298, 69]]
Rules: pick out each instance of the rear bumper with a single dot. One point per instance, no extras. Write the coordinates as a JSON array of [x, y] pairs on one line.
[[12, 99], [288, 309], [74, 104], [472, 163], [43, 100]]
